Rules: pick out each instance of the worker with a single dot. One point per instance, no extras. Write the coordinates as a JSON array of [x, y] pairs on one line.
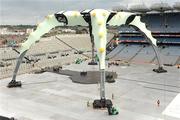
[[158, 103]]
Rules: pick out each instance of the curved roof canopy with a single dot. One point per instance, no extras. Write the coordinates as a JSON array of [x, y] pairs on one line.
[[161, 7], [120, 8], [176, 5], [139, 8]]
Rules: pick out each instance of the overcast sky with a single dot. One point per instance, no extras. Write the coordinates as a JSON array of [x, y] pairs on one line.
[[33, 11]]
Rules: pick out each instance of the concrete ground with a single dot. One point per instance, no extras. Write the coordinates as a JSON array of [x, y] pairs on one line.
[[50, 96]]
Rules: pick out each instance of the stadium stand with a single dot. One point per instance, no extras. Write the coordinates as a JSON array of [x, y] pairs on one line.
[[48, 52]]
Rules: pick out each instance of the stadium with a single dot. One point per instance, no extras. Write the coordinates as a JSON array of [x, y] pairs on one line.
[[59, 77]]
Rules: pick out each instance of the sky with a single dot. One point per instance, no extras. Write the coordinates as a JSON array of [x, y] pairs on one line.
[[15, 12]]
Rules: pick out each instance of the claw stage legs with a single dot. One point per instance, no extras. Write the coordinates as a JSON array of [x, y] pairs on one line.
[[102, 84], [102, 102], [13, 82], [160, 68]]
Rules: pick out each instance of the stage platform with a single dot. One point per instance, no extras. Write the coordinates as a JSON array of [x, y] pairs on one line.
[[51, 96]]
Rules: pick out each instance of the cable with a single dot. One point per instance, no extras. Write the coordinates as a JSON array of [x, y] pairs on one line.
[[71, 46]]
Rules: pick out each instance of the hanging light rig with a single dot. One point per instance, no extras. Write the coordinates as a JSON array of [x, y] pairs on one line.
[[97, 20]]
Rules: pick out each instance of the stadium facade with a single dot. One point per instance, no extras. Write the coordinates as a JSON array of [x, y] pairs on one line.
[[160, 18]]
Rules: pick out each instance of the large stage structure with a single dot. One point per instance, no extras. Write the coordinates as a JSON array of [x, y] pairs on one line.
[[97, 20]]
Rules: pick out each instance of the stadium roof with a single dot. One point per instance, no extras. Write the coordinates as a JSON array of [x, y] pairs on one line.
[[139, 8], [120, 8], [176, 6], [142, 8], [161, 7]]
